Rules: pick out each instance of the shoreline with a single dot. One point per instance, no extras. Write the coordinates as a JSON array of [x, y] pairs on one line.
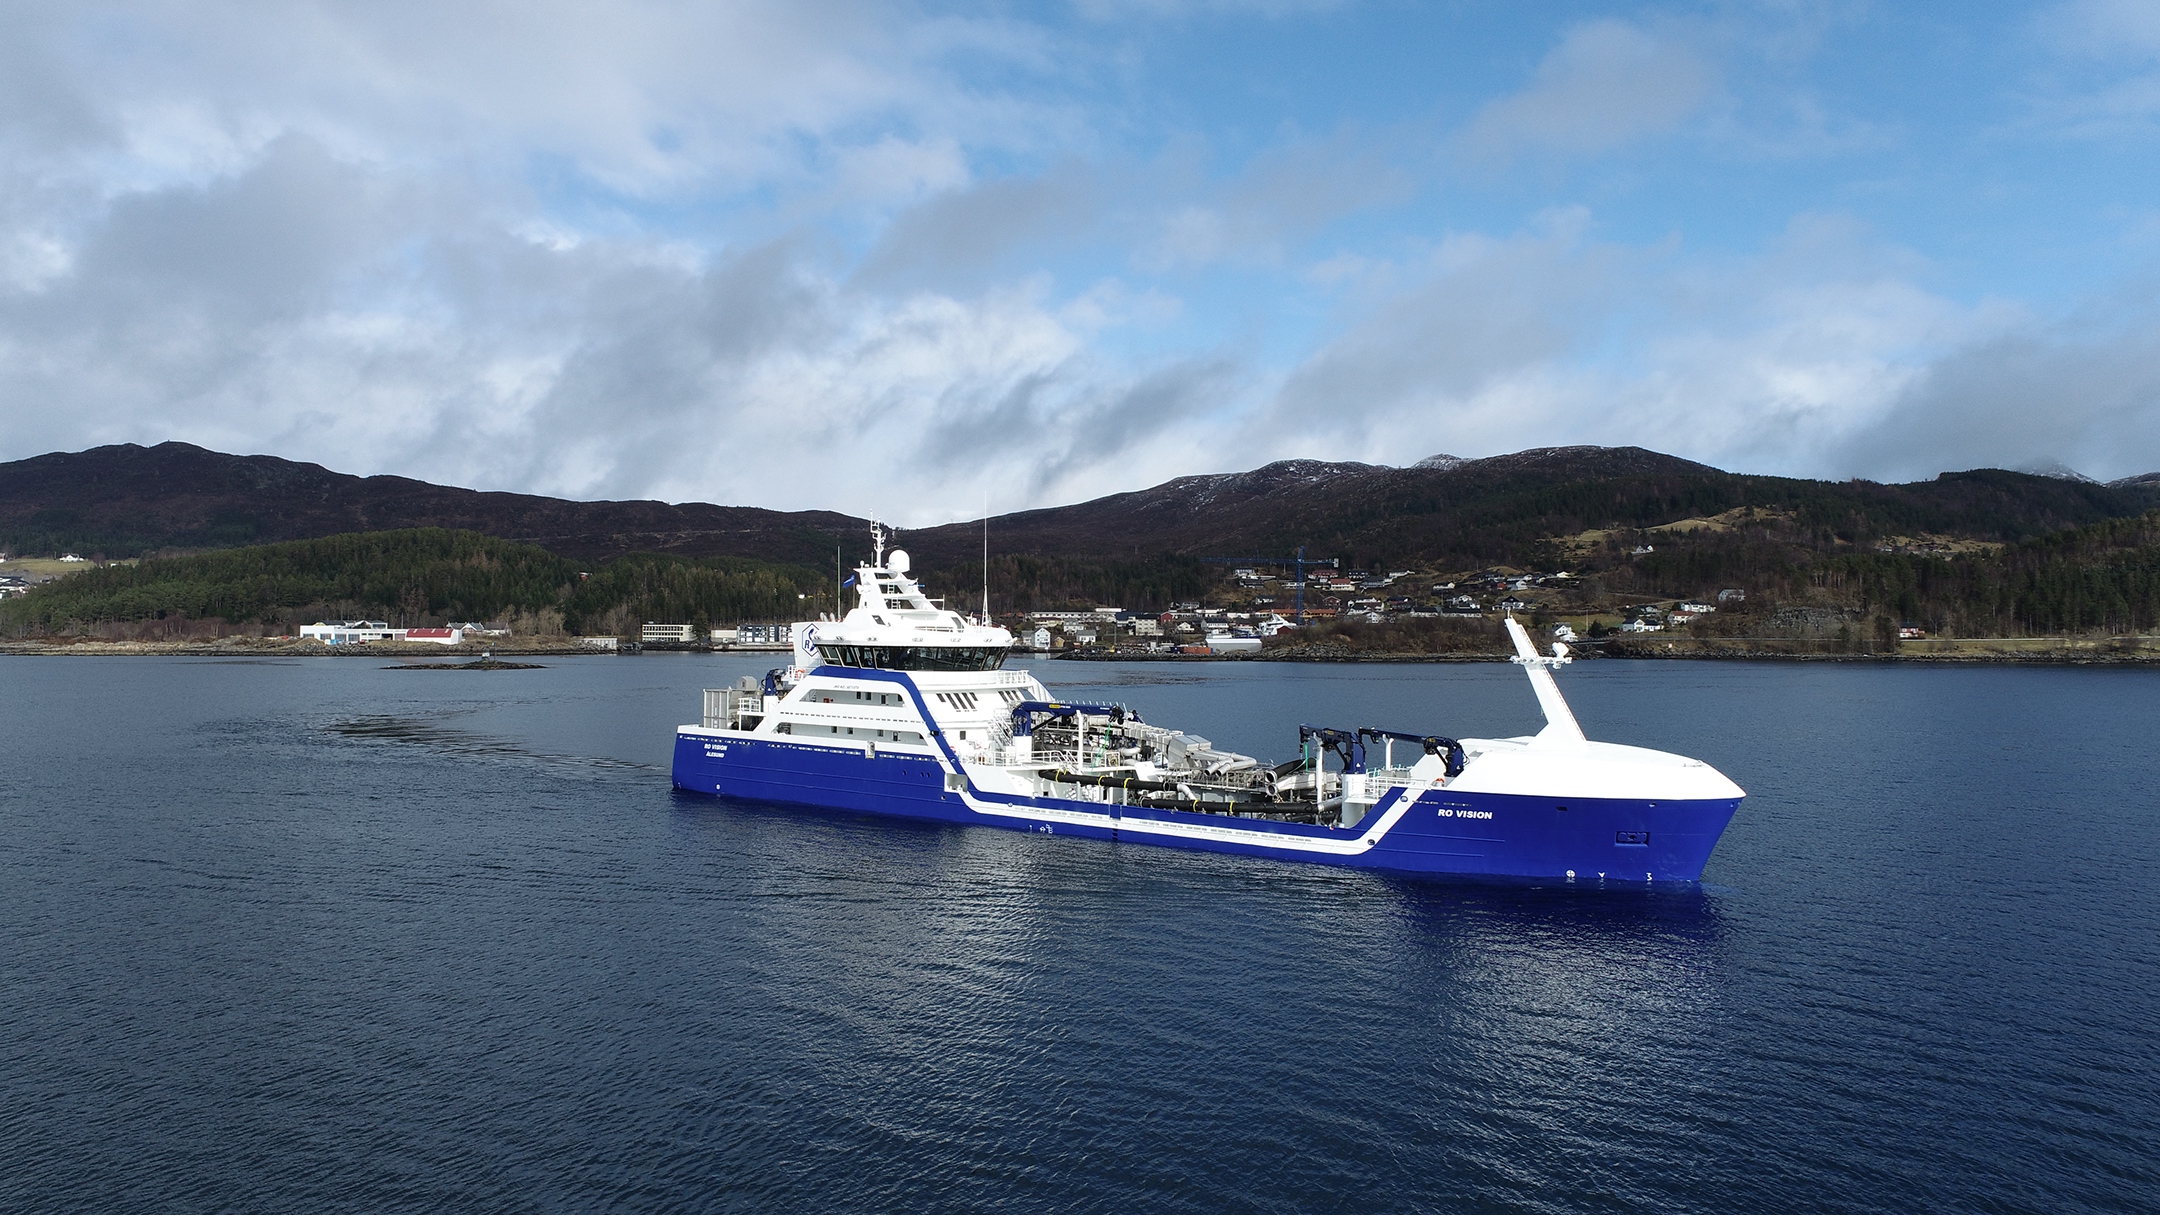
[[1964, 652]]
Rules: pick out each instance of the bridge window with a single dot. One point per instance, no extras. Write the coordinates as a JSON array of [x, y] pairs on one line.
[[915, 658]]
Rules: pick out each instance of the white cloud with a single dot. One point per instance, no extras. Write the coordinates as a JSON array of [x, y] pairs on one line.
[[646, 98], [2105, 28], [1822, 355], [2112, 51], [2064, 393], [1607, 84], [288, 309], [744, 253]]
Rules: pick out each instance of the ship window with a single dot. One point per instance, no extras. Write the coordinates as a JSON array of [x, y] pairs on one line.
[[915, 658]]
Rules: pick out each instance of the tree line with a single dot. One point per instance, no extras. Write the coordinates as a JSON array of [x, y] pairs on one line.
[[2103, 577], [414, 577]]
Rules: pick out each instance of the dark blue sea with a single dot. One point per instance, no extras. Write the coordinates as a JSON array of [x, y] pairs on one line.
[[313, 935]]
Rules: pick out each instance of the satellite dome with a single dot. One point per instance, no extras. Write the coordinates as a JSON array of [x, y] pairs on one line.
[[899, 561]]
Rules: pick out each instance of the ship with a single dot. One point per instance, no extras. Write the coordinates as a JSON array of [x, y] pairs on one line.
[[905, 707]]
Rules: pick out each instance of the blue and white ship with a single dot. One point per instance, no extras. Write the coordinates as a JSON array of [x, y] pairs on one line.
[[905, 707]]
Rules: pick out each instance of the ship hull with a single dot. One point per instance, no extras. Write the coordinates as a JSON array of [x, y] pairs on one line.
[[1434, 831]]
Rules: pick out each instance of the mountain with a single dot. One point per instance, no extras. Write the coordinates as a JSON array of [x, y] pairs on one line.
[[1442, 513], [125, 500], [1501, 509]]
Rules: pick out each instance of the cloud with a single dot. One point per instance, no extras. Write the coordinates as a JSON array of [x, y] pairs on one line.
[[2111, 29], [2039, 395], [1476, 316], [835, 254], [967, 233], [648, 100], [330, 312], [1283, 195], [2113, 50], [1608, 84], [1775, 362]]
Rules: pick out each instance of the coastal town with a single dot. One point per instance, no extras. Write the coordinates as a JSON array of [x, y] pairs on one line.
[[1251, 610]]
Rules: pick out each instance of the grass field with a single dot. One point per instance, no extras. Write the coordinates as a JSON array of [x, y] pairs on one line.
[[51, 567]]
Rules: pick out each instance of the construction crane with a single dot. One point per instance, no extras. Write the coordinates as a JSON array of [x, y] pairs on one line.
[[1299, 562]]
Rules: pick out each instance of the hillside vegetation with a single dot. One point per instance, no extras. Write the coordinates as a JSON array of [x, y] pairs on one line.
[[2103, 577], [1983, 553], [415, 576]]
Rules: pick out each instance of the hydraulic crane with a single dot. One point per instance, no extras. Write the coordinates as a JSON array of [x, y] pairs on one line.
[[1299, 562]]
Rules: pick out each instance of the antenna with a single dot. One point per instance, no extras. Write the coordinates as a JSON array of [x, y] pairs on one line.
[[986, 559], [877, 543]]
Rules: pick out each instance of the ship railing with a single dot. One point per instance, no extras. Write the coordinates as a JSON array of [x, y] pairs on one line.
[[1381, 778], [1090, 760], [728, 708]]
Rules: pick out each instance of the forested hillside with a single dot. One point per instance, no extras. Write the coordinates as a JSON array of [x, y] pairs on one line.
[[419, 576], [1504, 510], [125, 501], [1977, 553]]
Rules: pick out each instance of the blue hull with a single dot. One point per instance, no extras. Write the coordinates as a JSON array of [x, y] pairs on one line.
[[1436, 831]]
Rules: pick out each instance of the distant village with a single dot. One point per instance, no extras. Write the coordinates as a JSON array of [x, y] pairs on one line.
[[1257, 606], [1252, 607], [1261, 605]]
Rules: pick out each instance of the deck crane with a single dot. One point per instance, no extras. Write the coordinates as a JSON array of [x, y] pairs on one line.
[[1299, 562]]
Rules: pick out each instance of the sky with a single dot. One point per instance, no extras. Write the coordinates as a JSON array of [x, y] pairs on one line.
[[921, 260]]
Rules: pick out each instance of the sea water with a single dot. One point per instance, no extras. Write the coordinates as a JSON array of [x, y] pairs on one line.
[[310, 934]]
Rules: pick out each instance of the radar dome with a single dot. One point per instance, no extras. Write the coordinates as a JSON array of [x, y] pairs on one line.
[[899, 561]]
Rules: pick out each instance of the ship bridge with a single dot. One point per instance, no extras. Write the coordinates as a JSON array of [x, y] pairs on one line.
[[895, 627]]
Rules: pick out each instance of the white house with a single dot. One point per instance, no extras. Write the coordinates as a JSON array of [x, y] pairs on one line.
[[351, 632]]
